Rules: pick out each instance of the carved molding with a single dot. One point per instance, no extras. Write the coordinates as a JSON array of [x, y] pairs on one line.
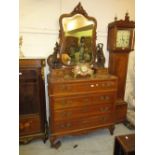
[[79, 9]]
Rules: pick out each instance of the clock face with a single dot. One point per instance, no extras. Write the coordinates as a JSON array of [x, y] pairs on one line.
[[123, 39], [83, 68]]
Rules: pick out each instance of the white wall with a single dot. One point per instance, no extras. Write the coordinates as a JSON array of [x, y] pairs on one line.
[[39, 25]]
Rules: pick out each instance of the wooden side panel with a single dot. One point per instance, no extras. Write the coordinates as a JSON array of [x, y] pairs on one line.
[[118, 64], [29, 96]]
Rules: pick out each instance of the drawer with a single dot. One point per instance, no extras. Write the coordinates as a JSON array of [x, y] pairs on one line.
[[82, 100], [70, 88], [71, 101], [36, 63], [28, 74], [80, 112], [29, 125], [89, 122]]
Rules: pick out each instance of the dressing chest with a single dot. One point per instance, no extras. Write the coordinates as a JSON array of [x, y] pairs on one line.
[[80, 105], [82, 92]]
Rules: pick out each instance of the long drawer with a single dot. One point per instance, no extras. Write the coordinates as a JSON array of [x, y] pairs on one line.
[[29, 125], [82, 100], [83, 111], [88, 122], [71, 88]]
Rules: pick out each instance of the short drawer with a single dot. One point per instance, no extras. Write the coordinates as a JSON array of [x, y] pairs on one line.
[[66, 88], [82, 100], [84, 111], [36, 63], [29, 125], [70, 101], [90, 122]]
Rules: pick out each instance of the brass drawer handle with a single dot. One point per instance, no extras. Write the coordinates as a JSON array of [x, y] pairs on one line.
[[104, 109], [105, 97], [70, 102], [107, 84], [86, 100], [62, 126], [64, 87], [66, 114], [85, 110], [63, 102], [21, 126], [68, 125], [92, 85], [84, 121], [25, 125], [103, 84], [103, 119], [102, 97]]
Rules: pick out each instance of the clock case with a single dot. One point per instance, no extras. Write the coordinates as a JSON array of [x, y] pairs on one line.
[[116, 26], [118, 61]]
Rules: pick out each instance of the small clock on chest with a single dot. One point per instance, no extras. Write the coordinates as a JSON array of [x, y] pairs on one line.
[[120, 43]]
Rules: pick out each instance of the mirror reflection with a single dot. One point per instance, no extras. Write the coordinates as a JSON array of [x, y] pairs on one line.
[[77, 41]]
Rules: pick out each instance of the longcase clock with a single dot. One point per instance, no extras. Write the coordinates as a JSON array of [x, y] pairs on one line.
[[120, 43]]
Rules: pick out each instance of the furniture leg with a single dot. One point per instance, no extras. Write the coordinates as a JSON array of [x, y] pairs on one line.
[[111, 129], [54, 142]]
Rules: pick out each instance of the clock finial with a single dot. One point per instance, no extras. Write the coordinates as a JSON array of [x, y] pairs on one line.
[[127, 16], [115, 18]]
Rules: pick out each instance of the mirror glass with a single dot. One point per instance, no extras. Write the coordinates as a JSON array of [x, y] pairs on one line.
[[77, 42]]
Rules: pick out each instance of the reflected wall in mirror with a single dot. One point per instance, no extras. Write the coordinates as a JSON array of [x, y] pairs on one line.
[[77, 37]]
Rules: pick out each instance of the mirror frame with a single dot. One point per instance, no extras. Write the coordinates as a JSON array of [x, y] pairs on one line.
[[78, 10]]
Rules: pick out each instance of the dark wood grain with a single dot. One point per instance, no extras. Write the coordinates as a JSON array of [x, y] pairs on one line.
[[32, 106]]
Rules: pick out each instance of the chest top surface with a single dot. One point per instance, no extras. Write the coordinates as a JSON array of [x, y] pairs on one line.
[[66, 76]]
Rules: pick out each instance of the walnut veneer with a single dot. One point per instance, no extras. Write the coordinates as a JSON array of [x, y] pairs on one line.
[[80, 105]]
